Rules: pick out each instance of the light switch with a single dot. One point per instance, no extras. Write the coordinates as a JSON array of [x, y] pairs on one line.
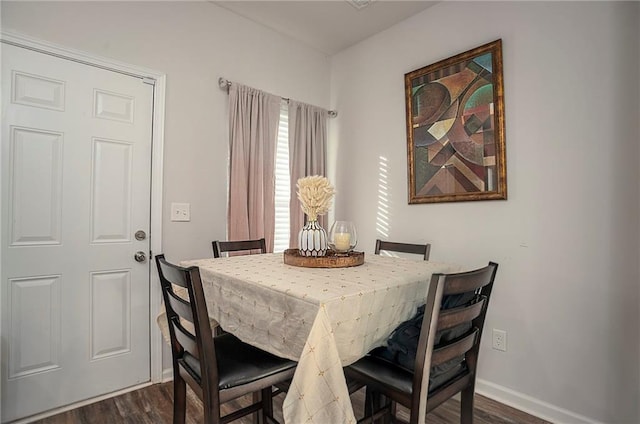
[[181, 212]]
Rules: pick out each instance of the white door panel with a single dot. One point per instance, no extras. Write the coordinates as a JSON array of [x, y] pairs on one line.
[[76, 153]]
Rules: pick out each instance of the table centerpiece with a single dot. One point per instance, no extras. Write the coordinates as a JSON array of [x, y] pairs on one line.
[[315, 194]]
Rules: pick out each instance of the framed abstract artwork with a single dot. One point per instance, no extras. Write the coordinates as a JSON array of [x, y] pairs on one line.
[[455, 128]]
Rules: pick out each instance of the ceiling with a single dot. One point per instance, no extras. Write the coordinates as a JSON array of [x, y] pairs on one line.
[[330, 25]]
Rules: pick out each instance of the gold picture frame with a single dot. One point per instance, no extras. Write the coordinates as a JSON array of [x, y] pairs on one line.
[[455, 128]]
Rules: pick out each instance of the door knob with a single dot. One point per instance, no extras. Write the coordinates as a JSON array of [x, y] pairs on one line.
[[140, 256]]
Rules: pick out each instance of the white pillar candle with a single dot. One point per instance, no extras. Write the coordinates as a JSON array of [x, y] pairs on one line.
[[342, 241]]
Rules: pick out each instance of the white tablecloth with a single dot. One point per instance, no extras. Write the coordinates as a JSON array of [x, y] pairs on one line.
[[324, 318]]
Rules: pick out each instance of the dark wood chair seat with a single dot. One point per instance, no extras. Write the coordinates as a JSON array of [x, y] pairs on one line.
[[240, 363], [378, 373]]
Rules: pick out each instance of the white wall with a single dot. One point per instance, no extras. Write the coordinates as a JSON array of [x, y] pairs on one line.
[[567, 239], [194, 43]]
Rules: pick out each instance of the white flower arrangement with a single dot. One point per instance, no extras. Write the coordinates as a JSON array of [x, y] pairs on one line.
[[315, 194]]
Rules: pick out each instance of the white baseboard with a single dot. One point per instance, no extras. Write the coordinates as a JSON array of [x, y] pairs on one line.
[[531, 406], [167, 375]]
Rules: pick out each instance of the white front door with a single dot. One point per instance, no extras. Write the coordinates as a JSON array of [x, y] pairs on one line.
[[75, 159]]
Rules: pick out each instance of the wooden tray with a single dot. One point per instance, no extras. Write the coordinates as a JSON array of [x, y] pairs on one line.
[[331, 260]]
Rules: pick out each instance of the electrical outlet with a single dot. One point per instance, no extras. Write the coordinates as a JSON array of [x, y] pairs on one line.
[[181, 212], [499, 340]]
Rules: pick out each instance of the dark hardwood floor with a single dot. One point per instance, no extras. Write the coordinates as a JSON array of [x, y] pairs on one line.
[[154, 405]]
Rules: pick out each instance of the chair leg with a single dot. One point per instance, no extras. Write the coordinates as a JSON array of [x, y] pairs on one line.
[[384, 403], [466, 405], [390, 416], [211, 413], [258, 416], [394, 410], [179, 399], [369, 406], [267, 405], [373, 403]]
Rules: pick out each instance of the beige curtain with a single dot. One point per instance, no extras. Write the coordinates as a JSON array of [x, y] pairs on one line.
[[253, 130], [307, 156]]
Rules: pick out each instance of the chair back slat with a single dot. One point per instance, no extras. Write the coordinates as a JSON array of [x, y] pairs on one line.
[[453, 317], [172, 274], [185, 338], [238, 246], [179, 306], [454, 349], [392, 246], [465, 282]]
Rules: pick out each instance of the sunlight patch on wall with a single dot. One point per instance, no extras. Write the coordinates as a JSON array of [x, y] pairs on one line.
[[384, 197]]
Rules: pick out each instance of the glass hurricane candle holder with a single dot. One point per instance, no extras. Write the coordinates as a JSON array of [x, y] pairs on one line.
[[343, 237]]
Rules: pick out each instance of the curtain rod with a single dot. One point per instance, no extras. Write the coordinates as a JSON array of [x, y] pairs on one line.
[[224, 84]]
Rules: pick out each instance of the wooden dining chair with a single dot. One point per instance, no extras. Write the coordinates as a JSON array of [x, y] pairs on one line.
[[237, 246], [218, 369], [448, 345], [392, 246]]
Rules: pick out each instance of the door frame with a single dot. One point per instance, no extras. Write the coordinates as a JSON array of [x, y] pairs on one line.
[[157, 155]]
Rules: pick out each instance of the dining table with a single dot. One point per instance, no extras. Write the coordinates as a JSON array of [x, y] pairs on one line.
[[323, 318]]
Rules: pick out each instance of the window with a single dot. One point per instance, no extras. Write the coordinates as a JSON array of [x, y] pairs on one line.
[[283, 184]]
